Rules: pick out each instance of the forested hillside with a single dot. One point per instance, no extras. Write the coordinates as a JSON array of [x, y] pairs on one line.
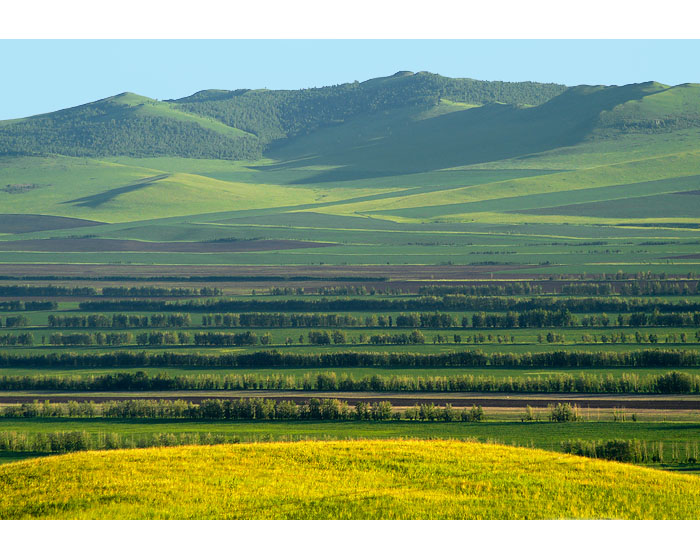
[[127, 124], [272, 115], [240, 124]]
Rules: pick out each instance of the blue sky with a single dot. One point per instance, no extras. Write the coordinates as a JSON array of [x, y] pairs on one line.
[[46, 75]]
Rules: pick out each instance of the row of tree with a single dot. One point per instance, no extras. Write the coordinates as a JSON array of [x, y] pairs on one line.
[[243, 409], [14, 322], [537, 318], [17, 305], [422, 303], [666, 383], [154, 291], [22, 339], [120, 321], [274, 359]]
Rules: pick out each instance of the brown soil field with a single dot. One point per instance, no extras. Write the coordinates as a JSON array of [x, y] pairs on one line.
[[95, 245], [628, 402], [26, 223]]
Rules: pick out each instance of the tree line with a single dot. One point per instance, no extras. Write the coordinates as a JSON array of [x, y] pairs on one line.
[[22, 339], [107, 291], [653, 357], [290, 320], [421, 303], [120, 321], [243, 409], [16, 305], [581, 288], [153, 291], [666, 383], [536, 318], [16, 321]]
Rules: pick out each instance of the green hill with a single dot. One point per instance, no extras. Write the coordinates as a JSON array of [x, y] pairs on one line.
[[341, 480], [126, 124], [210, 124], [445, 165]]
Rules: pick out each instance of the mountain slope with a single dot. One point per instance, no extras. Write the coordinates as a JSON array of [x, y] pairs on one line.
[[279, 115], [210, 124], [126, 124], [416, 140]]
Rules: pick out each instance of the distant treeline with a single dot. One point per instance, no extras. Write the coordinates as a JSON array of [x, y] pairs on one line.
[[16, 305], [667, 383], [16, 321], [120, 321], [293, 320], [274, 359], [500, 289], [24, 339], [536, 318], [85, 291], [584, 288], [433, 303]]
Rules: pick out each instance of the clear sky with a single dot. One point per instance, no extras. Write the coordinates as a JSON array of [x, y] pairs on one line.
[[45, 75]]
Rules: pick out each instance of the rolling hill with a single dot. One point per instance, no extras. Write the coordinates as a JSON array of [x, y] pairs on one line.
[[341, 480], [466, 167]]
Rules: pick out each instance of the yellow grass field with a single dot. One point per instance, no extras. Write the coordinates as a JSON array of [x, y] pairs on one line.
[[341, 480]]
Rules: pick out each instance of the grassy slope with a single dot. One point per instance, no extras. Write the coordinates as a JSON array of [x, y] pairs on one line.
[[63, 181], [408, 166], [341, 480]]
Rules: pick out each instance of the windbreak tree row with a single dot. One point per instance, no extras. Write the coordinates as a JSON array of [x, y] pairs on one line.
[[667, 383], [647, 358], [422, 303]]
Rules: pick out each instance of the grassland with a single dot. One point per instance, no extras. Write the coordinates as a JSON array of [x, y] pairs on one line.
[[580, 184], [598, 182], [341, 480]]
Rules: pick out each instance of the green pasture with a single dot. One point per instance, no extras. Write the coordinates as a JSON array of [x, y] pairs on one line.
[[543, 435]]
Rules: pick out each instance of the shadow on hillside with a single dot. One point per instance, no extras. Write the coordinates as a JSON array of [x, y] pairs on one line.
[[489, 133], [96, 200]]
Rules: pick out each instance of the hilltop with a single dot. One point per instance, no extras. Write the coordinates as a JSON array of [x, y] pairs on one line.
[[341, 480]]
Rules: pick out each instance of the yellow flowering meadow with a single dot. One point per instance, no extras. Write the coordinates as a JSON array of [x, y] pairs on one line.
[[341, 480]]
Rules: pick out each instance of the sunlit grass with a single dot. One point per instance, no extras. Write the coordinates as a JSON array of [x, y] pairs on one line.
[[341, 480]]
